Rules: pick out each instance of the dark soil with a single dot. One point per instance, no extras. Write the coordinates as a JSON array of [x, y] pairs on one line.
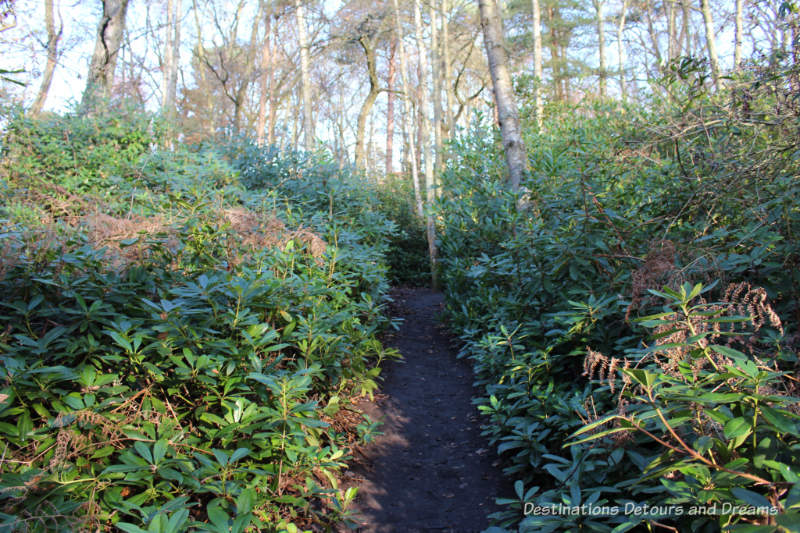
[[430, 470]]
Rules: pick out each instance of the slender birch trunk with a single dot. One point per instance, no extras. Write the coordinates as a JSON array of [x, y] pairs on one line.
[[671, 43], [390, 107], [273, 104], [737, 45], [424, 126], [408, 111], [171, 57], [687, 21], [537, 62], [266, 75], [53, 37], [446, 66], [170, 71], [305, 76], [436, 88], [651, 31], [623, 89], [601, 44], [508, 116], [208, 120], [711, 45], [555, 57]]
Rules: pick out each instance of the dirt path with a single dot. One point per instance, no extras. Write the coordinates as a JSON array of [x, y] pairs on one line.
[[430, 470]]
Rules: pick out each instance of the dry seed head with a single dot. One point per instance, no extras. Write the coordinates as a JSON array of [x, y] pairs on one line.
[[612, 373]]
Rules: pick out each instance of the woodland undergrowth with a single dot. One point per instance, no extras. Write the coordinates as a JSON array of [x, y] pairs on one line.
[[632, 315], [184, 331]]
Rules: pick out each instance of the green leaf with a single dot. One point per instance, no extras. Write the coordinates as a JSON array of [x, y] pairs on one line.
[[778, 418], [159, 450], [736, 355], [245, 501], [130, 528], [144, 451], [737, 427], [239, 454], [217, 514], [750, 497]]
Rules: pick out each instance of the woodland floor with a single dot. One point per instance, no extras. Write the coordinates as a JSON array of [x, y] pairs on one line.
[[430, 470]]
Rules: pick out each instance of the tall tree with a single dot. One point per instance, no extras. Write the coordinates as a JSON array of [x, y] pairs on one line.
[[390, 79], [686, 10], [737, 44], [436, 87], [711, 46], [266, 93], [207, 114], [447, 78], [620, 54], [368, 33], [408, 113], [672, 44], [601, 43], [508, 116], [424, 128], [53, 37], [171, 58], [537, 61], [305, 75], [100, 79]]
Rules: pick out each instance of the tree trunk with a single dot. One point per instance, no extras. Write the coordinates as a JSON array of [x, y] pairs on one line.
[[671, 42], [537, 62], [601, 45], [100, 79], [266, 76], [370, 153], [516, 158], [425, 145], [711, 44], [390, 107], [737, 45], [620, 56], [273, 104], [555, 59], [305, 76], [447, 79], [208, 120], [687, 26], [651, 31], [436, 88], [408, 112], [170, 70], [368, 44], [53, 37]]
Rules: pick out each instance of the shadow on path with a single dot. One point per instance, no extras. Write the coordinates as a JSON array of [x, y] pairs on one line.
[[430, 470]]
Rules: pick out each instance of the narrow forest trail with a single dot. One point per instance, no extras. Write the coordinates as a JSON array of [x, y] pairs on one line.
[[430, 470]]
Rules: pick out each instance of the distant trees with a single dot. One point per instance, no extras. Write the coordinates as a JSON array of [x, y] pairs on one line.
[[303, 72]]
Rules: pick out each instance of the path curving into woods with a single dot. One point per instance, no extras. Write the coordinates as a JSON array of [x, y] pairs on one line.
[[430, 470]]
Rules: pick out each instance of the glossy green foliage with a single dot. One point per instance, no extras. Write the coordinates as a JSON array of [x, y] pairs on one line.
[[621, 201], [195, 385]]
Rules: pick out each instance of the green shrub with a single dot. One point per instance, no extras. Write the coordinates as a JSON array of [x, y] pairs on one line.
[[184, 360], [620, 202]]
